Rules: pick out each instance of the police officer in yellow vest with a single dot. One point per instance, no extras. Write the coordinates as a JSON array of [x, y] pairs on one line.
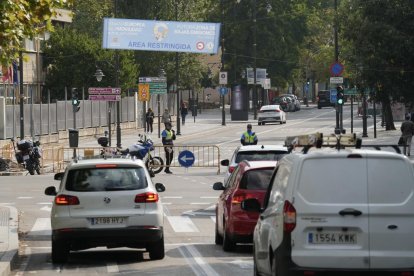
[[249, 137], [168, 135]]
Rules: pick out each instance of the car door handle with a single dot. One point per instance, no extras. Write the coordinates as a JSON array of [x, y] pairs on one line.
[[350, 211]]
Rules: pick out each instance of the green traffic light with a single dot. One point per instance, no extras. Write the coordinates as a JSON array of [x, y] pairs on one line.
[[340, 101]]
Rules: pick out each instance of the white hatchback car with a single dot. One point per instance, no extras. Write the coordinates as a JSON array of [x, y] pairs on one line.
[[271, 113], [106, 202], [253, 153], [346, 210]]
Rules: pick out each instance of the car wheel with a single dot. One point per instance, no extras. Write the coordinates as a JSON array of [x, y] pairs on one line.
[[280, 265], [60, 251], [259, 123], [263, 123], [156, 250], [319, 107], [228, 244], [218, 238], [255, 271]]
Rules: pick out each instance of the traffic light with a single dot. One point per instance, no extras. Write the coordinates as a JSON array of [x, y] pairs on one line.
[[340, 95], [75, 100]]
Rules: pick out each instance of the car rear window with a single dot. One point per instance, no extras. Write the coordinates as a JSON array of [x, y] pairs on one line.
[[260, 155], [106, 179], [256, 179]]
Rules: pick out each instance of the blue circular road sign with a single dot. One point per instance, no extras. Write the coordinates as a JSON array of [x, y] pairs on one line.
[[186, 158], [336, 69], [223, 90]]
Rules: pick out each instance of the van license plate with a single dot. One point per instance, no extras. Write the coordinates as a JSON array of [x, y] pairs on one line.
[[332, 238], [107, 221]]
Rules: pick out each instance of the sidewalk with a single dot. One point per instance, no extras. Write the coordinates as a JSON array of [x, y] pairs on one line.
[[9, 241]]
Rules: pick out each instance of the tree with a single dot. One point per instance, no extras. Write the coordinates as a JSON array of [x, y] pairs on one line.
[[380, 35], [24, 19]]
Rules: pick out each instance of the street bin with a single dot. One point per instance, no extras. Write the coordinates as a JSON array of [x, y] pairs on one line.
[[73, 138]]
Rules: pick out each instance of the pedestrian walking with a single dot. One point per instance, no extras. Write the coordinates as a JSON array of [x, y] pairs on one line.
[[407, 130], [149, 119], [184, 112], [166, 117], [168, 136], [248, 137]]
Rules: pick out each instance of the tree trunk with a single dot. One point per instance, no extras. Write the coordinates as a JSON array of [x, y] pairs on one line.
[[389, 120]]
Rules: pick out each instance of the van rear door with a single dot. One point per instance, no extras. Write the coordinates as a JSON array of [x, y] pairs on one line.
[[331, 213], [391, 208]]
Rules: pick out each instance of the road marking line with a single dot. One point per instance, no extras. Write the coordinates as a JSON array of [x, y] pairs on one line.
[[166, 203], [41, 227], [214, 197], [44, 203], [169, 197], [46, 208], [112, 267], [196, 262], [25, 197], [182, 224], [200, 203]]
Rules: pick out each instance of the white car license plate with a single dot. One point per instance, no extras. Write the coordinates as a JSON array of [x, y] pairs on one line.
[[107, 220], [332, 238], [26, 157]]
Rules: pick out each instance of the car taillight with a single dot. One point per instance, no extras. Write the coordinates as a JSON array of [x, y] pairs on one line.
[[66, 200], [276, 110], [146, 198], [289, 217], [240, 195], [231, 169]]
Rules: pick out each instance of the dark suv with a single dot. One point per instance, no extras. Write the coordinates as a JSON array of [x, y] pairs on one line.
[[324, 99]]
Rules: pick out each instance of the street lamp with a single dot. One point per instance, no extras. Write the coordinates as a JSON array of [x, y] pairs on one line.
[[99, 75]]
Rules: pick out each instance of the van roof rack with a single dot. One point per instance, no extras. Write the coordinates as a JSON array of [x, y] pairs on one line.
[[341, 141]]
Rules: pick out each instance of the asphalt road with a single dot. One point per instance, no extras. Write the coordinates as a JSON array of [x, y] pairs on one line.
[[189, 212]]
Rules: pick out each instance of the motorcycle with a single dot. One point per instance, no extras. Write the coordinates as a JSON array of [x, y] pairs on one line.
[[28, 155], [141, 150]]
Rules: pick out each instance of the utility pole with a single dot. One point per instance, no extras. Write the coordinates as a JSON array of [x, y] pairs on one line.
[[337, 107], [21, 102], [223, 111], [254, 60], [177, 79], [118, 103]]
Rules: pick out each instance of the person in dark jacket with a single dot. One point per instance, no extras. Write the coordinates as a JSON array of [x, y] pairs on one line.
[[149, 119], [168, 136], [184, 112], [407, 130]]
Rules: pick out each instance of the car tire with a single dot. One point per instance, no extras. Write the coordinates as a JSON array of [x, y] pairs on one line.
[[263, 123], [60, 251], [228, 243], [280, 265], [156, 250], [319, 107], [259, 123], [218, 239], [255, 271]]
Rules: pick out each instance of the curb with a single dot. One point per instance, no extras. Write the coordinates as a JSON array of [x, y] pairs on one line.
[[9, 257]]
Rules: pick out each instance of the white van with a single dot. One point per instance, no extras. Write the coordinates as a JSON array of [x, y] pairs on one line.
[[329, 210]]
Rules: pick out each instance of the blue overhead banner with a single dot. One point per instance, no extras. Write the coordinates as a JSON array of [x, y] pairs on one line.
[[164, 36]]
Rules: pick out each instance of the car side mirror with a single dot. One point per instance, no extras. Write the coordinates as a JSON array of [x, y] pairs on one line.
[[218, 186], [159, 187], [51, 191], [225, 162], [59, 176], [251, 205]]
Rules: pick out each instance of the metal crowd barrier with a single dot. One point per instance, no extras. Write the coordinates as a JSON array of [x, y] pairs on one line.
[[205, 156]]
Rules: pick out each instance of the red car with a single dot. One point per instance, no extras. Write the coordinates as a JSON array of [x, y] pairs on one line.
[[250, 179]]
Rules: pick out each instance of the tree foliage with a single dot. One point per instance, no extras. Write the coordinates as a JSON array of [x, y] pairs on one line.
[[21, 19], [380, 35]]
